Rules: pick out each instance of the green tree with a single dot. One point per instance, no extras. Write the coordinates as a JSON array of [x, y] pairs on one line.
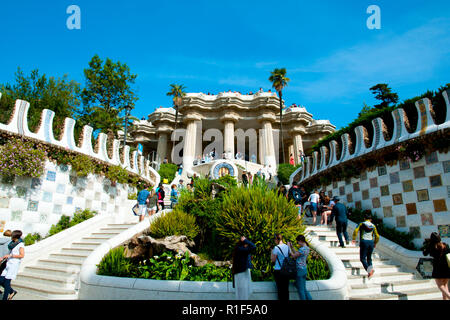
[[279, 81], [108, 91], [60, 95], [383, 93], [177, 91]]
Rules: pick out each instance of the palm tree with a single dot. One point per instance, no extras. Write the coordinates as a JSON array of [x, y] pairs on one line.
[[177, 91], [279, 81]]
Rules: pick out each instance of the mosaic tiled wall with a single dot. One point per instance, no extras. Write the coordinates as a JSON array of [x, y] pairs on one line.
[[410, 196], [34, 204]]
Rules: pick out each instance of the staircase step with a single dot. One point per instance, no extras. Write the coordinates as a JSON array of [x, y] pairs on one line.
[[67, 283], [357, 269], [59, 271], [380, 277], [45, 291], [414, 294], [113, 229], [96, 239], [104, 235], [60, 263], [87, 245], [389, 287], [69, 257], [77, 251]]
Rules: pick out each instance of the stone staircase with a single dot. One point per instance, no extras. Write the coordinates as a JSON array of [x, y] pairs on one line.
[[390, 281], [56, 275]]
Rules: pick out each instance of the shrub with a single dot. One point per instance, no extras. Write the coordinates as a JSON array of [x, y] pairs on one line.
[[31, 238], [227, 181], [285, 170], [117, 174], [168, 171], [66, 222], [115, 264], [19, 157], [175, 222], [83, 165], [132, 196], [257, 213]]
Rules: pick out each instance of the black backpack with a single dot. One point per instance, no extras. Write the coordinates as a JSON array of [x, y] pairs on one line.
[[296, 195], [288, 267]]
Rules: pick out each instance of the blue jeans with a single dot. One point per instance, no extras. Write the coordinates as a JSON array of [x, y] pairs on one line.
[[301, 284], [341, 228], [6, 283], [365, 253]]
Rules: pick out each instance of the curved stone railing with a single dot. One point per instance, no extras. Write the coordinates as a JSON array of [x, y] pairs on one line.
[[425, 125], [93, 286], [135, 163]]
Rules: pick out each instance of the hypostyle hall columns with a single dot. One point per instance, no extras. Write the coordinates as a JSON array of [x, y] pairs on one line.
[[269, 150], [229, 119], [191, 121]]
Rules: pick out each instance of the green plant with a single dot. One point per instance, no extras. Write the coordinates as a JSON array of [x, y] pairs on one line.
[[115, 264], [285, 170], [175, 222], [132, 196], [66, 222], [227, 181], [117, 174], [19, 157], [168, 171], [82, 165], [257, 213], [32, 238]]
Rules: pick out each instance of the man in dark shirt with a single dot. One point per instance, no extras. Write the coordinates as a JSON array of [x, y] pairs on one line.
[[341, 213]]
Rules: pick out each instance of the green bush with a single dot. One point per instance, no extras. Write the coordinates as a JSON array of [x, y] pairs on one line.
[[168, 171], [117, 174], [226, 181], [285, 170], [19, 157], [66, 222], [115, 264], [83, 165], [32, 238], [175, 222], [257, 213]]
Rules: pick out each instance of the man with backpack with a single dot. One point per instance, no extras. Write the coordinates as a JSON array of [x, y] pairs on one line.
[[142, 199], [161, 195], [341, 213]]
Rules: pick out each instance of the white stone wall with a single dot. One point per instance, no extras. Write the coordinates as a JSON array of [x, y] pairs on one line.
[[34, 204], [410, 196]]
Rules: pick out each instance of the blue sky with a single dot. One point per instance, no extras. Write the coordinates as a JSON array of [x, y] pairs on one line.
[[332, 58]]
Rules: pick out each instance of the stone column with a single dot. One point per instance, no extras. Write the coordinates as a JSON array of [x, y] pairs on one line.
[[266, 120], [189, 143], [261, 144], [298, 145], [161, 150], [228, 119]]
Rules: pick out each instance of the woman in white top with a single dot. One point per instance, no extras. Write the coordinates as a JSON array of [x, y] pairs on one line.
[[314, 200], [17, 252], [280, 251]]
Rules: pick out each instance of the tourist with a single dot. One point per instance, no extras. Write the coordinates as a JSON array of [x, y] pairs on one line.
[[13, 258], [270, 172], [314, 203], [180, 169], [291, 160], [161, 195], [341, 213], [173, 196], [302, 271], [152, 204], [242, 279], [439, 250], [245, 179], [213, 153], [5, 240], [253, 158], [367, 241], [327, 206], [180, 185], [280, 251], [142, 199], [260, 90], [295, 195], [165, 160], [304, 195]]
